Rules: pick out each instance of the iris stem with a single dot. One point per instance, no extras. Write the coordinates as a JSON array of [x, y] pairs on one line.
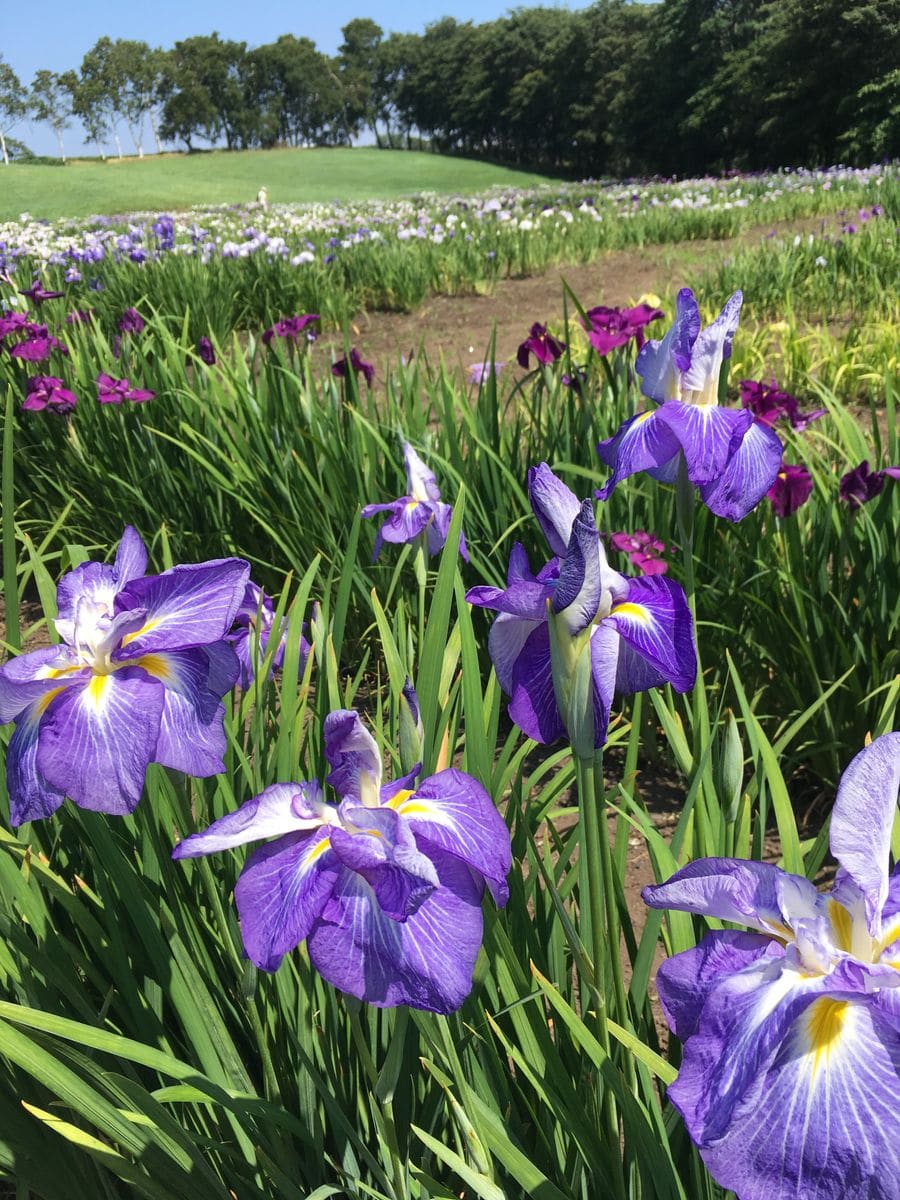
[[7, 494], [421, 568], [592, 838]]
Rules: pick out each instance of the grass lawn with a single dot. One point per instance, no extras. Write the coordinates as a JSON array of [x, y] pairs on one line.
[[167, 181]]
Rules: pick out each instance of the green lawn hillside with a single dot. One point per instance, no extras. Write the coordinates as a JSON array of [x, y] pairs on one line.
[[180, 180]]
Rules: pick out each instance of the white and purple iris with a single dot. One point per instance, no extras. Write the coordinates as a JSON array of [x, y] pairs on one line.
[[732, 459], [420, 513], [252, 631], [791, 1034], [385, 886], [627, 634], [139, 678]]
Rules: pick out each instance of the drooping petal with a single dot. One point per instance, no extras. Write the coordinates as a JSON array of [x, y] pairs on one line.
[[97, 739], [27, 677], [191, 732], [354, 756], [524, 599], [506, 642], [734, 889], [425, 961], [281, 893], [421, 480], [655, 622], [708, 436], [408, 519], [685, 980], [554, 505], [862, 820], [189, 605], [279, 809], [606, 646], [660, 363], [453, 811], [31, 796], [383, 851], [642, 443], [750, 473], [532, 702]]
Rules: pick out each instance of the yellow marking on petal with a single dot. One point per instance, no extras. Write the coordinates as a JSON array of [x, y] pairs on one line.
[[318, 850], [417, 808], [96, 689], [782, 932], [56, 672], [156, 665], [642, 417], [637, 612], [841, 925], [43, 704], [400, 798], [411, 504], [887, 940], [824, 1023], [130, 637]]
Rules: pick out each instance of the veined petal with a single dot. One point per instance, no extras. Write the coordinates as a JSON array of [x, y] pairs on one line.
[[523, 599], [790, 1092], [707, 434], [554, 505], [92, 580], [655, 622], [453, 811], [660, 363], [131, 557], [577, 594], [189, 605], [279, 809], [354, 756], [96, 739], [281, 893], [606, 647], [425, 961], [31, 796], [28, 677], [643, 443], [700, 381], [382, 850], [191, 732], [750, 472], [862, 820], [532, 702], [421, 480], [408, 519], [735, 889], [506, 641]]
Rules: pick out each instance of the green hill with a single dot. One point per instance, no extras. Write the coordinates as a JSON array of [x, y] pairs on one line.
[[173, 181]]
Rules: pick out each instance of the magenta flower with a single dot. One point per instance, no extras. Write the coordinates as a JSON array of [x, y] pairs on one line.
[[769, 404], [47, 391], [290, 328], [131, 321], [643, 550], [38, 343], [792, 488], [12, 322], [609, 328], [114, 391], [543, 345], [356, 363], [39, 294], [861, 485]]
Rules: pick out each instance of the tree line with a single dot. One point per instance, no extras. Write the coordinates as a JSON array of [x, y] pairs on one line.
[[674, 87]]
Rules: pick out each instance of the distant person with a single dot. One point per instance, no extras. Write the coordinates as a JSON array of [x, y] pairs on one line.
[[262, 197]]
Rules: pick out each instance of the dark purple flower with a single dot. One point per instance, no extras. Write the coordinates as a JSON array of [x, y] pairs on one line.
[[792, 487], [13, 322], [114, 391], [47, 391], [206, 352], [290, 328], [543, 345], [137, 678], [131, 321], [39, 294], [357, 364], [575, 380], [643, 550], [769, 404], [385, 886], [609, 328], [37, 345], [861, 485]]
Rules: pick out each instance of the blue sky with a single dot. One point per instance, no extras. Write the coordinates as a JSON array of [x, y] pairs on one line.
[[61, 31]]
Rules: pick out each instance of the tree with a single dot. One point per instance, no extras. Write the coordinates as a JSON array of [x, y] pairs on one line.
[[51, 101], [206, 97], [13, 105], [98, 97], [357, 59]]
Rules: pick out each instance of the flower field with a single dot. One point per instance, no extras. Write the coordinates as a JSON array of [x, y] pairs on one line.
[[345, 704]]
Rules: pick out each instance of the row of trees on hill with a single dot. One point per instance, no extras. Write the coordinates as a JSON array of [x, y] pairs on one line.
[[676, 86]]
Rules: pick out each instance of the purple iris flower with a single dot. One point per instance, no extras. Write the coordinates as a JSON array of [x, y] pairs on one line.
[[861, 485], [609, 328], [138, 678], [420, 513], [47, 391], [643, 549], [251, 632], [13, 322], [37, 345], [290, 328], [543, 345], [131, 321], [356, 363], [206, 352], [385, 886], [792, 488], [479, 372], [730, 458], [769, 404], [38, 293], [791, 1033], [114, 391], [626, 635]]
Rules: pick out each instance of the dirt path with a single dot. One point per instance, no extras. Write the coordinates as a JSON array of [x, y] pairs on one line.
[[458, 328]]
